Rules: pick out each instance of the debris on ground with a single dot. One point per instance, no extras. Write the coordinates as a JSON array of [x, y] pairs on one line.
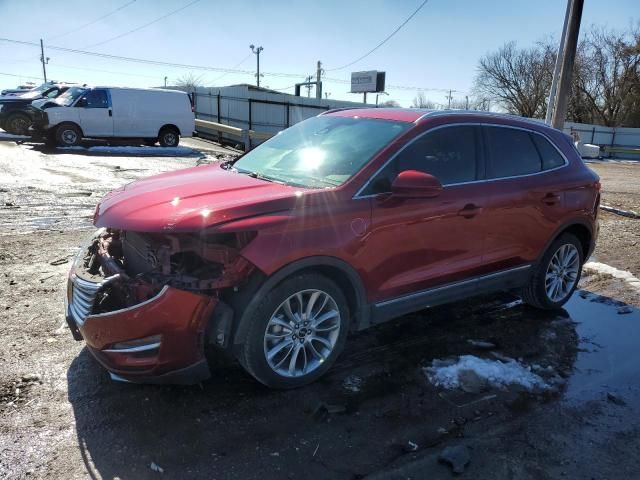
[[30, 377], [616, 399], [353, 383], [481, 344], [623, 310], [323, 410], [458, 457], [156, 468], [60, 261], [410, 447], [473, 373]]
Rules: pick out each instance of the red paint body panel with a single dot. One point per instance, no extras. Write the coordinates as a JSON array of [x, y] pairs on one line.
[[178, 316], [397, 246]]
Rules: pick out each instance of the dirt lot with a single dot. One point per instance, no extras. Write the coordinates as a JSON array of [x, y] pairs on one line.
[[375, 415]]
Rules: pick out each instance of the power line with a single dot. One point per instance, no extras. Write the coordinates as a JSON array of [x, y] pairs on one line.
[[383, 41], [19, 76], [205, 68], [232, 68], [93, 21], [142, 26]]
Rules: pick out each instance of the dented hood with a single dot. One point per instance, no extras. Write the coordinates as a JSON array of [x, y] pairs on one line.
[[190, 200]]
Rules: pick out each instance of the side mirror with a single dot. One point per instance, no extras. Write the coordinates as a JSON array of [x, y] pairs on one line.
[[415, 184]]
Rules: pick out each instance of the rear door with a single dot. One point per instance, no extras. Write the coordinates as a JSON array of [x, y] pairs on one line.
[[96, 116], [416, 244], [525, 203]]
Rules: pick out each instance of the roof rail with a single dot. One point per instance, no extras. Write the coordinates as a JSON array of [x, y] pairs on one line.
[[484, 113]]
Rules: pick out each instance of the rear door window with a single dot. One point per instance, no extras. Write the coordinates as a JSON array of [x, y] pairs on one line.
[[551, 158], [511, 153]]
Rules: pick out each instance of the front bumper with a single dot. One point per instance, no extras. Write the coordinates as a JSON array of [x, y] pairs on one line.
[[174, 320]]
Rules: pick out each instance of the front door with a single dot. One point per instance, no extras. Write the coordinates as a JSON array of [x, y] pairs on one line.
[[96, 116], [417, 244]]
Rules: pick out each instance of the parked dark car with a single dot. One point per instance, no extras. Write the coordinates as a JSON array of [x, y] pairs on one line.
[[16, 114], [334, 225]]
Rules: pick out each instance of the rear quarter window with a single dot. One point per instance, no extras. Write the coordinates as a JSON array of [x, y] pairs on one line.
[[511, 153], [551, 158]]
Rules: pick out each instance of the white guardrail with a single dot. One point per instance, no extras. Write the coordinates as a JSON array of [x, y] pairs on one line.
[[246, 136]]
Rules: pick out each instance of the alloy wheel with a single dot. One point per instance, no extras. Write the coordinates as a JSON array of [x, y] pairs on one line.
[[562, 272], [302, 333]]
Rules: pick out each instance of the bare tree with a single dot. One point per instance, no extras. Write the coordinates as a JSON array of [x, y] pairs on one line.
[[389, 103], [607, 84], [189, 82], [517, 79], [420, 101]]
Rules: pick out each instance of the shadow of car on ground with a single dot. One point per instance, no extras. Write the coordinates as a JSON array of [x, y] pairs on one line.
[[368, 412]]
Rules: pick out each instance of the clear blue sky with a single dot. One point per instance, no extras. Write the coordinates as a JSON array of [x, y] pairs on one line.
[[438, 49]]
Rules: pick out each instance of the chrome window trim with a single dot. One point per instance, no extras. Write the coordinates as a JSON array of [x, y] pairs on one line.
[[357, 195], [452, 285], [133, 307]]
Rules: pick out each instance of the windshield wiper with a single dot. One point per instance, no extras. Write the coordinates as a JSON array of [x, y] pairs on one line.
[[257, 175]]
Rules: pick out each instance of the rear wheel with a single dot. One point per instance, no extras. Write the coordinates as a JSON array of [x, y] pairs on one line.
[[557, 274], [68, 135], [296, 332], [18, 124], [169, 137]]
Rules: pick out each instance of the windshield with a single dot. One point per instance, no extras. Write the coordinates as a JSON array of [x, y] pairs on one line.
[[32, 93], [320, 152], [70, 96]]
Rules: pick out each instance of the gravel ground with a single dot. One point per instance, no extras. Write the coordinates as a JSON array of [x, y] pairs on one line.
[[375, 415]]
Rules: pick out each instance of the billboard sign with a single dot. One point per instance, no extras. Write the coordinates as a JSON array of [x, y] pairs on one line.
[[371, 81]]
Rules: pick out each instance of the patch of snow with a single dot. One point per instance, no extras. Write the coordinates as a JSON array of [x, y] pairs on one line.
[[495, 373], [11, 136], [628, 277]]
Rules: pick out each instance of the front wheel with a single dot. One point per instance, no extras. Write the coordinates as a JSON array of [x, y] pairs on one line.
[[296, 332], [68, 135], [556, 276], [18, 124]]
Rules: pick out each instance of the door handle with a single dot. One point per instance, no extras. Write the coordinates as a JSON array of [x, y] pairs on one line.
[[110, 113], [470, 210], [551, 199]]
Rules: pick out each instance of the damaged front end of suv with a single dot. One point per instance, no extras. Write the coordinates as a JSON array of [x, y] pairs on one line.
[[148, 304]]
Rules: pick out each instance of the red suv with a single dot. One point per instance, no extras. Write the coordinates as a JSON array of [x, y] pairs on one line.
[[336, 224]]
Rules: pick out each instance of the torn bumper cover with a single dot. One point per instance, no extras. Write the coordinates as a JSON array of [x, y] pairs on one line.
[[140, 326]]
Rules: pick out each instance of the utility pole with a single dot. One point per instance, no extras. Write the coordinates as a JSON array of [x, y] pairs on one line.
[[44, 61], [165, 82], [365, 97], [257, 53], [568, 57], [556, 69], [318, 80], [449, 97], [466, 97], [308, 86]]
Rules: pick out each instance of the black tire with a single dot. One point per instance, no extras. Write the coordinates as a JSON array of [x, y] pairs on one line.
[[18, 124], [535, 294], [252, 352], [68, 135], [169, 137], [150, 142]]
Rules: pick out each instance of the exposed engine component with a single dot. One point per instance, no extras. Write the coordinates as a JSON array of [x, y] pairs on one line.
[[140, 264]]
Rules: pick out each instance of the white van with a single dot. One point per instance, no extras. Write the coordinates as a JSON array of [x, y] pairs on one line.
[[153, 115]]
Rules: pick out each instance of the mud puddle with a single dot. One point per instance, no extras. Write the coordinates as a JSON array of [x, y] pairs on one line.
[[608, 360]]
